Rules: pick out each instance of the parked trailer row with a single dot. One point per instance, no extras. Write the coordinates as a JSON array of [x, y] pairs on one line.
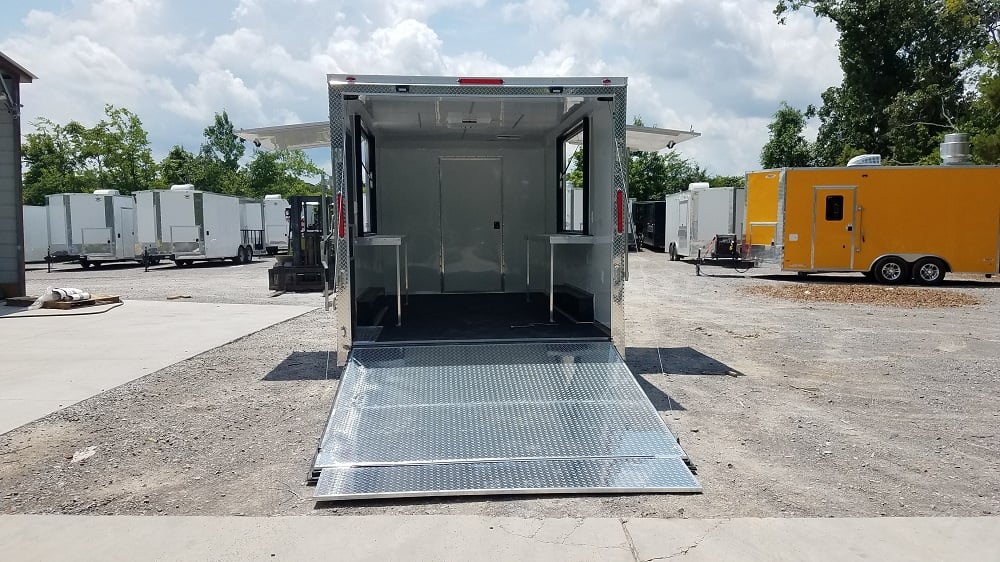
[[181, 224]]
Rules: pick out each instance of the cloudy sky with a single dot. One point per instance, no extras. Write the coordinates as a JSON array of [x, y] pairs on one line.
[[720, 66]]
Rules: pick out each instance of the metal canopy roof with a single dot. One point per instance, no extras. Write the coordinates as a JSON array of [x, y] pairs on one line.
[[317, 135], [7, 63]]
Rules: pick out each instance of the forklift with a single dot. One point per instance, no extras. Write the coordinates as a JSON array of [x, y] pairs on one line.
[[307, 265]]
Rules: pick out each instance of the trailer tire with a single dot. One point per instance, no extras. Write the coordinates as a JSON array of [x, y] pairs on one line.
[[85, 264], [673, 252], [238, 258], [891, 270], [929, 271], [248, 256]]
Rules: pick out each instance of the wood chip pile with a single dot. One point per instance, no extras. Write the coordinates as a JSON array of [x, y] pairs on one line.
[[901, 297]]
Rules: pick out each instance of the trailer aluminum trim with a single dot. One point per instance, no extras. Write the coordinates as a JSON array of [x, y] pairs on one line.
[[548, 476]]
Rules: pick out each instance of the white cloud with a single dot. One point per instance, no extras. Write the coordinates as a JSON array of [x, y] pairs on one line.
[[722, 67]]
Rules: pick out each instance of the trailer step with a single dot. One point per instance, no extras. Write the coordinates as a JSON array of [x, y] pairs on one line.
[[504, 418]]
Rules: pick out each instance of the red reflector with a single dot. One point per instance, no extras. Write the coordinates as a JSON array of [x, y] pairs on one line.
[[340, 215], [480, 81], [606, 81], [620, 208], [351, 79]]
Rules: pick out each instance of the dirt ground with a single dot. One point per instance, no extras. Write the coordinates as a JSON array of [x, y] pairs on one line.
[[838, 409]]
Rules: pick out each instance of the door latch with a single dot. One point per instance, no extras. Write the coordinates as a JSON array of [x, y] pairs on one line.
[[850, 228], [496, 225]]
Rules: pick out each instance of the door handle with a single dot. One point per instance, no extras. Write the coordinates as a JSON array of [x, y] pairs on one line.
[[850, 228]]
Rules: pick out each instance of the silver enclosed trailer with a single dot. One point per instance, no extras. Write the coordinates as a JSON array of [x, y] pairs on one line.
[[93, 228], [275, 224], [480, 292], [701, 215], [36, 234], [185, 225]]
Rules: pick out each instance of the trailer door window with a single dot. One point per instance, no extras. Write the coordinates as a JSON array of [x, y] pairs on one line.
[[834, 207], [365, 166], [573, 196]]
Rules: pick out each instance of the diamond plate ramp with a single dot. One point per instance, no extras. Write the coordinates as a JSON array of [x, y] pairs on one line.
[[445, 420]]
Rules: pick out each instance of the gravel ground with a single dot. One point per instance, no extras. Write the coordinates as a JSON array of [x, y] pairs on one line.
[[837, 409]]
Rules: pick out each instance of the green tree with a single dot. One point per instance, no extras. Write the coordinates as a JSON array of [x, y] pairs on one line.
[[280, 172], [786, 147], [55, 157], [121, 146], [903, 64], [177, 167], [727, 181], [222, 144]]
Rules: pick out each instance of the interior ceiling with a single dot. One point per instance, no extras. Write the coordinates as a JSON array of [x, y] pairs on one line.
[[468, 118]]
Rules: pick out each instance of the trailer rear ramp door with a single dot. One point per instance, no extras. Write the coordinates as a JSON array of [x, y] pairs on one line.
[[510, 418]]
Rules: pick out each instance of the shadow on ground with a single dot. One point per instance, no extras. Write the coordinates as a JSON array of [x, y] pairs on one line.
[[306, 366], [674, 361], [861, 280]]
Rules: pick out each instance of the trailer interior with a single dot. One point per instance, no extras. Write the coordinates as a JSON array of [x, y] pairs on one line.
[[479, 278], [466, 184]]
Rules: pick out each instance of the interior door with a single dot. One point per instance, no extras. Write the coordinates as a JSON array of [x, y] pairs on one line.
[[471, 225], [833, 228], [126, 237]]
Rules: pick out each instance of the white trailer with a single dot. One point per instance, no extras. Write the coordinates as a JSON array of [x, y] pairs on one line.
[[275, 224], [93, 228], [698, 217], [480, 292], [186, 225], [36, 234]]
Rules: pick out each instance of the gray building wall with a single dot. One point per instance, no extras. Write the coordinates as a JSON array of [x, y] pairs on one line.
[[11, 228]]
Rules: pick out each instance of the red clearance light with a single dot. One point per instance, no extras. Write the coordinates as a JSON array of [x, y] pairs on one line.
[[351, 79], [480, 81], [340, 215], [606, 81], [620, 209]]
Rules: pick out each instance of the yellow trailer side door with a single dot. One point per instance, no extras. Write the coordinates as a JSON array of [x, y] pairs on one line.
[[833, 228]]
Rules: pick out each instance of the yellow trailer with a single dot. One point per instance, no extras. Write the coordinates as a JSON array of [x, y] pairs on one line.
[[896, 224]]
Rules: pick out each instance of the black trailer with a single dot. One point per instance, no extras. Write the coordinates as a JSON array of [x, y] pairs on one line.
[[650, 221]]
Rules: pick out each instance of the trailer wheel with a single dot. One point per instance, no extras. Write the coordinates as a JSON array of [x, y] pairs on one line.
[[892, 270], [248, 255], [673, 252], [929, 271], [238, 258]]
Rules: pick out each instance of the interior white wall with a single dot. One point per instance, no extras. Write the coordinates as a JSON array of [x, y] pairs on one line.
[[589, 266], [408, 193]]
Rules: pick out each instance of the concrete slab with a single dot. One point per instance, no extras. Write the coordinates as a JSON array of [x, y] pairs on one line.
[[52, 359], [884, 539], [110, 539]]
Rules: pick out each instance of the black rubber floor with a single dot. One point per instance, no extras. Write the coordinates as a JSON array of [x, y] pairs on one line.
[[491, 316]]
